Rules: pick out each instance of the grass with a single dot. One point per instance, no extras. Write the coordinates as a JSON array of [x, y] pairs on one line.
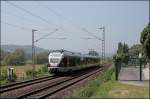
[[21, 69], [105, 86], [20, 72], [114, 89]]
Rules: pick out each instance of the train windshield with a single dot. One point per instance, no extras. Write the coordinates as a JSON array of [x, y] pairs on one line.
[[54, 60], [60, 51]]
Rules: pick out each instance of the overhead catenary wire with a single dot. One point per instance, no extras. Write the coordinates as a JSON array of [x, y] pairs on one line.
[[25, 19], [37, 16], [32, 14], [16, 26], [77, 26], [46, 21], [54, 13], [44, 36], [87, 38], [59, 15], [59, 38], [92, 35]]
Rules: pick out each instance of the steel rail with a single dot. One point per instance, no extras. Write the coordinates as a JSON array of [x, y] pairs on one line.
[[24, 83], [52, 84], [60, 86]]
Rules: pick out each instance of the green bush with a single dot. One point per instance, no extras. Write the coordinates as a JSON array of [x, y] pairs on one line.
[[113, 76], [39, 71], [92, 86], [3, 75], [108, 74], [30, 73], [44, 68], [41, 58], [15, 58]]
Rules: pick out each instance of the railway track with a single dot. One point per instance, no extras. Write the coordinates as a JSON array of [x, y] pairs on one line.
[[46, 88], [24, 83]]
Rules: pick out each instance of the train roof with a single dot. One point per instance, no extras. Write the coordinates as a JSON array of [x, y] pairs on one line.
[[69, 53], [90, 56], [65, 52]]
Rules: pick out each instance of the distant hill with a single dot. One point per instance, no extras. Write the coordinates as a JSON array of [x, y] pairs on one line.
[[26, 48]]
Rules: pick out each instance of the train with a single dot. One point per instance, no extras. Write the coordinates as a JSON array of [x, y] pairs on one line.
[[66, 61]]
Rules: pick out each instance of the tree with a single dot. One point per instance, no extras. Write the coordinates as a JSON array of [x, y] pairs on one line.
[[125, 48], [15, 58], [135, 50], [93, 53], [122, 52], [145, 40], [42, 57], [120, 47], [3, 54]]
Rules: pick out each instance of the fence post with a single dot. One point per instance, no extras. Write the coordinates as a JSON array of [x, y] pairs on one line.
[[10, 74], [117, 68], [140, 69]]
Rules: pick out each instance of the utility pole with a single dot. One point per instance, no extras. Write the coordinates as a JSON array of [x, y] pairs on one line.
[[33, 54], [103, 44], [33, 47], [101, 40]]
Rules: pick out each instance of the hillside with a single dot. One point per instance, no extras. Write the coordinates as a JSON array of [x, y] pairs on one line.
[[26, 48]]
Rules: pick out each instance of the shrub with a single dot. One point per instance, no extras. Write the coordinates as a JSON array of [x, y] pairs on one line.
[[108, 74], [3, 75], [30, 73], [41, 58], [44, 68], [15, 58], [94, 84]]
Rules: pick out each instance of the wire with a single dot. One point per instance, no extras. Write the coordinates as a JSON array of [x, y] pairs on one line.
[[60, 38], [25, 19], [44, 36], [13, 25], [57, 14], [23, 9], [77, 26], [92, 35], [86, 38]]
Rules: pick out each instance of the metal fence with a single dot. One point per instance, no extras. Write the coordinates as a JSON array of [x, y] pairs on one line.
[[133, 63]]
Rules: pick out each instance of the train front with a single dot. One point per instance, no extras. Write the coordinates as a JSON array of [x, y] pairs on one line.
[[54, 59]]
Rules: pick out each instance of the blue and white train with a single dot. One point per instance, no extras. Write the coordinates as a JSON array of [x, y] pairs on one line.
[[66, 61]]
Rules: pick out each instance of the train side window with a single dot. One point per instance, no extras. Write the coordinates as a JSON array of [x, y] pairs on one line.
[[65, 61]]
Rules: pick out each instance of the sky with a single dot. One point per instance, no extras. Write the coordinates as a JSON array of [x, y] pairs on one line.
[[123, 22]]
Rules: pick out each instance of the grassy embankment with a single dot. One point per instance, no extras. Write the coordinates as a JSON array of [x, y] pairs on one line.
[[105, 86], [21, 72]]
